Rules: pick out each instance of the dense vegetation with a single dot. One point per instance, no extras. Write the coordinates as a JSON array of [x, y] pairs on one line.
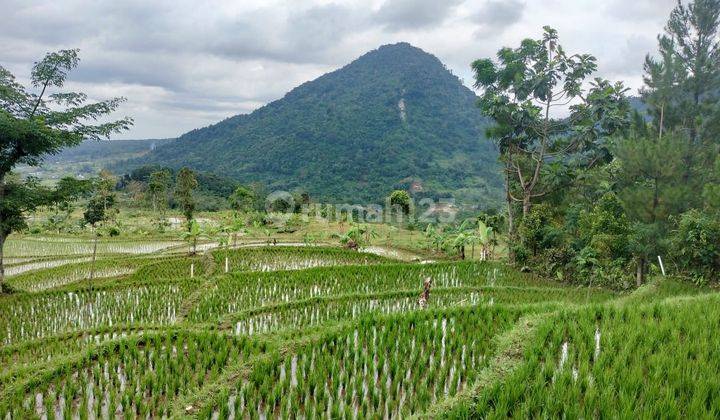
[[393, 117], [600, 196]]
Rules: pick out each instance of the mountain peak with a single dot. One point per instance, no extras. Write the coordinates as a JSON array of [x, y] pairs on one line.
[[403, 52], [399, 46], [392, 117]]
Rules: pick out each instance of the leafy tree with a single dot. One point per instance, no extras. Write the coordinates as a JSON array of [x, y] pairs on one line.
[[105, 188], [309, 239], [357, 236], [237, 227], [695, 31], [519, 92], [435, 236], [605, 229], [185, 185], [158, 185], [33, 125], [242, 199], [96, 212], [67, 190], [535, 230], [401, 200]]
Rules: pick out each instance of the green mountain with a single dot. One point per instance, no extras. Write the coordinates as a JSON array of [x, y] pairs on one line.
[[393, 118]]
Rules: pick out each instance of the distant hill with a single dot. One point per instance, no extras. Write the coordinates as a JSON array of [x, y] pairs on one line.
[[393, 118], [89, 157], [91, 150]]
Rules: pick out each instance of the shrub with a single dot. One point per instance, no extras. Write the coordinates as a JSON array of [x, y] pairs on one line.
[[696, 245]]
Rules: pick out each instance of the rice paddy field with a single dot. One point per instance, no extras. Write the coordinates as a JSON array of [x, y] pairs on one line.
[[323, 332]]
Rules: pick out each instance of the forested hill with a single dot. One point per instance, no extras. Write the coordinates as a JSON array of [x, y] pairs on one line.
[[393, 118]]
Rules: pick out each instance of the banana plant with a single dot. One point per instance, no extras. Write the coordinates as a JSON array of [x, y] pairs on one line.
[[355, 236], [237, 227], [459, 242], [309, 239], [369, 232], [191, 235], [484, 235]]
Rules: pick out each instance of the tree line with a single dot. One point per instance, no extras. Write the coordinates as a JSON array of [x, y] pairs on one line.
[[609, 188]]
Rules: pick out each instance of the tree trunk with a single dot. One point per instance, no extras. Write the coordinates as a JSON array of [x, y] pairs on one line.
[[510, 215], [92, 266], [462, 252], [3, 236], [2, 265], [508, 198], [526, 205], [640, 272]]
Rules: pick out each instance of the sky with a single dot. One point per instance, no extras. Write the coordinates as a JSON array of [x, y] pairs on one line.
[[187, 64]]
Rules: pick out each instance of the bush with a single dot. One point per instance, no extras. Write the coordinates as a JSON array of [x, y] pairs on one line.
[[696, 246]]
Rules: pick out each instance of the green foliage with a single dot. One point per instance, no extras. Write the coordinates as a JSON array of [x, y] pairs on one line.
[[158, 185], [696, 246], [95, 211], [47, 124], [242, 199], [343, 138], [610, 186], [185, 184], [650, 178], [683, 80], [536, 230], [400, 199], [35, 125], [518, 93], [605, 229], [578, 365]]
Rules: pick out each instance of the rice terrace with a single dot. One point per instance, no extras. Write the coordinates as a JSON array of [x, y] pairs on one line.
[[529, 228]]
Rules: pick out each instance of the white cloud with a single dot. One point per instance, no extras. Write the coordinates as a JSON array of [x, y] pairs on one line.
[[184, 64]]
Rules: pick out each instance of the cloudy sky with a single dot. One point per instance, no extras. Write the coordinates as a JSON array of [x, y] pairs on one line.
[[185, 64]]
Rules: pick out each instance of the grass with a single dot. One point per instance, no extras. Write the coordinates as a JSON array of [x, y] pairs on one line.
[[326, 332]]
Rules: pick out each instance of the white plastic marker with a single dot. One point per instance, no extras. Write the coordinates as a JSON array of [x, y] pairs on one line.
[[227, 266], [192, 270], [662, 267]]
